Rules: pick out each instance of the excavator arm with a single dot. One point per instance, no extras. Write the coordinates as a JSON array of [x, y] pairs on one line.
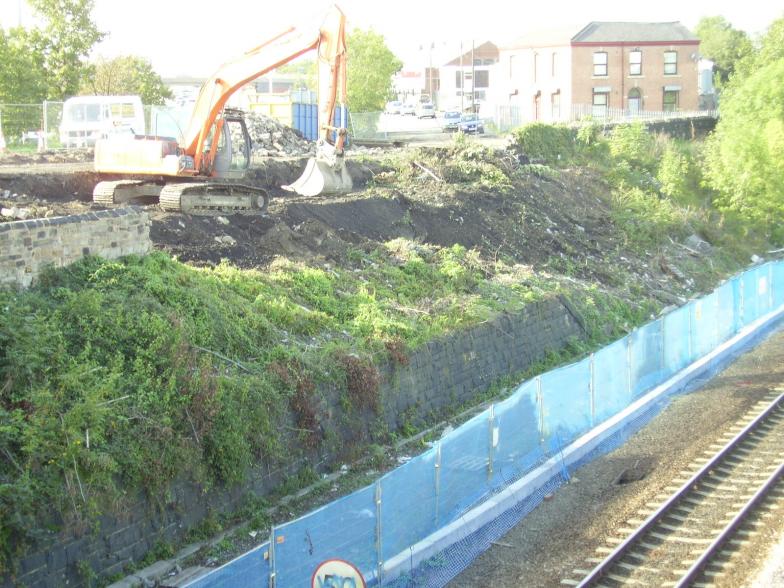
[[329, 42]]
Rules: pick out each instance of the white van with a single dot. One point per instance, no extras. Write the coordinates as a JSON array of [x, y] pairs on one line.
[[89, 118]]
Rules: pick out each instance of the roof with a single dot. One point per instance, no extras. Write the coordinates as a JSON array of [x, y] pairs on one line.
[[486, 50], [634, 32]]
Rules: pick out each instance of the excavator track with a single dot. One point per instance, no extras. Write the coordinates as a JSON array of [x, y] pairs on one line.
[[122, 191], [213, 198]]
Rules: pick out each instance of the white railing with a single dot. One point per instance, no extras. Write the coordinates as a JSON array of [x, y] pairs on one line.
[[601, 114]]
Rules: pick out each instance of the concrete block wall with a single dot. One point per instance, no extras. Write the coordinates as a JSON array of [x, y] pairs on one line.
[[26, 247], [440, 375]]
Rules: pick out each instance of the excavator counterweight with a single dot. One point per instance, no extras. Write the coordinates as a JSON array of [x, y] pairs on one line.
[[202, 173]]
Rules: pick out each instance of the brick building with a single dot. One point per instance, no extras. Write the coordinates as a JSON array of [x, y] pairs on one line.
[[628, 66]]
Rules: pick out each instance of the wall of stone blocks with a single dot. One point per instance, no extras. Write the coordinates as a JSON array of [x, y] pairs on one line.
[[439, 376], [29, 246]]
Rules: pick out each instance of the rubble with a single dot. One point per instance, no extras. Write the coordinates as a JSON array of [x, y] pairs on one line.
[[272, 138]]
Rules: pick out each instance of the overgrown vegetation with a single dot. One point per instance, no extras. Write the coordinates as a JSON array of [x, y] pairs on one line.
[[121, 376], [127, 374]]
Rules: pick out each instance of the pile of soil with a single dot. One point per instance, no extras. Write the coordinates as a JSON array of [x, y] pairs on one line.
[[559, 225]]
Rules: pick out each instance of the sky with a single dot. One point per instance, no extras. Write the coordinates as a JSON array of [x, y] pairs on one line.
[[194, 38]]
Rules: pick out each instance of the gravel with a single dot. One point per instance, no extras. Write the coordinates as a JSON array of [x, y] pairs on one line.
[[564, 532]]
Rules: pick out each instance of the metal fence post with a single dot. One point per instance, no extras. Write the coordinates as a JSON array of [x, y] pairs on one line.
[[691, 335], [438, 479], [379, 555], [592, 388], [629, 363], [770, 286], [491, 441], [46, 125], [272, 575], [540, 402]]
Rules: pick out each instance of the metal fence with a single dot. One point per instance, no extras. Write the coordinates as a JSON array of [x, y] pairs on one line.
[[37, 126], [380, 528]]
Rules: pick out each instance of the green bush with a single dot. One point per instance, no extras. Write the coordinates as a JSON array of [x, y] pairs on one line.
[[554, 144], [633, 144], [673, 174]]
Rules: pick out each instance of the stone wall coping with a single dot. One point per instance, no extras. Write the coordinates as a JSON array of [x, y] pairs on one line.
[[39, 223]]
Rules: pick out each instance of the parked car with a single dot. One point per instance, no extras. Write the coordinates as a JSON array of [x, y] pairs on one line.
[[408, 109], [393, 107], [426, 110], [471, 123], [451, 121]]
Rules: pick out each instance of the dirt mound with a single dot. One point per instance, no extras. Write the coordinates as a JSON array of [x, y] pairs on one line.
[[60, 156], [557, 223]]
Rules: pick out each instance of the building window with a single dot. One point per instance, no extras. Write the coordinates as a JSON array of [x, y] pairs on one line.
[[537, 105], [555, 105], [635, 63], [635, 101], [670, 63], [554, 64], [459, 79], [512, 64], [600, 63], [670, 100], [601, 104], [536, 65], [482, 79]]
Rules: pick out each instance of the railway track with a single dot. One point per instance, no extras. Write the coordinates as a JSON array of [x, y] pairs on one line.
[[694, 535]]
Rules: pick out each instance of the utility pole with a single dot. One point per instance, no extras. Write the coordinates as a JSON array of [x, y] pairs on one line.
[[473, 79], [462, 79]]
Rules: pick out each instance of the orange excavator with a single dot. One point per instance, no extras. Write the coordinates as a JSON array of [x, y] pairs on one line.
[[202, 173]]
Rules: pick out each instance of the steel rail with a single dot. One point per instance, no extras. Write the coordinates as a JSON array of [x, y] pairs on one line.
[[602, 568], [696, 569]]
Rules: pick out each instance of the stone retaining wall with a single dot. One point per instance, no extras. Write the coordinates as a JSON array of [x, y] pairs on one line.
[[27, 247], [438, 377]]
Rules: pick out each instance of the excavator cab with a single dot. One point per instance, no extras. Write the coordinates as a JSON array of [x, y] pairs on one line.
[[233, 155]]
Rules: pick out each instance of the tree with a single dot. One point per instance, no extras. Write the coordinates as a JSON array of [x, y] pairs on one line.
[[745, 154], [126, 75], [305, 73], [22, 77], [371, 66], [723, 45], [68, 36]]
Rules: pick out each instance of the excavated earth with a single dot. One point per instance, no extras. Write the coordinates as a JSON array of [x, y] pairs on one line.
[[555, 226]]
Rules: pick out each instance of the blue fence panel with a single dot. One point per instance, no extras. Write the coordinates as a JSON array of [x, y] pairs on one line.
[[750, 296], [778, 284], [344, 529], [566, 401], [764, 289], [517, 423], [647, 360], [464, 472], [704, 325], [726, 321], [611, 380], [305, 119], [250, 570], [676, 344], [409, 507]]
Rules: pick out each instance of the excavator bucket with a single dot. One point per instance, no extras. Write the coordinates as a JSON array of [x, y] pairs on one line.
[[322, 177]]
